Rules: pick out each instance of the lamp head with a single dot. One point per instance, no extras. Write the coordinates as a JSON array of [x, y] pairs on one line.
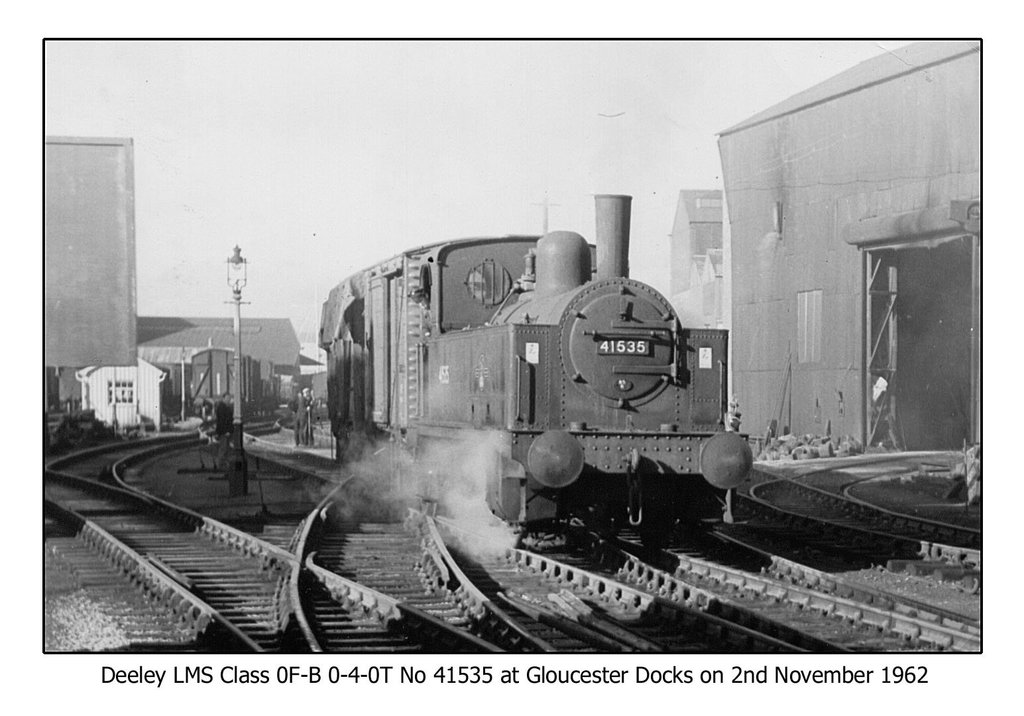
[[237, 270]]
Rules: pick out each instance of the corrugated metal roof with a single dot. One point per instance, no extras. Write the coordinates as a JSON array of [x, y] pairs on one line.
[[166, 355], [885, 67], [271, 339]]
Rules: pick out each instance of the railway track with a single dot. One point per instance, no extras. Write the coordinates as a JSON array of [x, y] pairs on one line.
[[237, 577], [805, 601], [402, 572], [802, 575], [750, 549], [90, 570], [791, 496], [832, 525], [516, 601], [257, 587], [756, 554], [382, 567], [367, 583], [575, 592]]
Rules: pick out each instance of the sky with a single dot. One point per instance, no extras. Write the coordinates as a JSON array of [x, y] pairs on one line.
[[321, 158]]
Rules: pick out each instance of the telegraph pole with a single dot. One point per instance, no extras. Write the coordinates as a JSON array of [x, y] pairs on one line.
[[238, 470], [184, 391], [546, 206]]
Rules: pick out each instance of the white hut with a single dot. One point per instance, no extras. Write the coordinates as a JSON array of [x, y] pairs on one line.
[[126, 396]]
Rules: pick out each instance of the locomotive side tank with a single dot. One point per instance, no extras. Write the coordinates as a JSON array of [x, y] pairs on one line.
[[376, 323]]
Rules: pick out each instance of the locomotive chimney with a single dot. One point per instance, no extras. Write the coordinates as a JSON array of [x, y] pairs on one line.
[[613, 235]]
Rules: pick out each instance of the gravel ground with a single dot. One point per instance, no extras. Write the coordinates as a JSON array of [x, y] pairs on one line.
[[100, 611], [941, 594], [72, 619]]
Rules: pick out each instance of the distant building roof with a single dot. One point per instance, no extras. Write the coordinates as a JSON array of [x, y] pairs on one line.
[[699, 206], [161, 338], [890, 65], [696, 229], [709, 266], [715, 257], [312, 359]]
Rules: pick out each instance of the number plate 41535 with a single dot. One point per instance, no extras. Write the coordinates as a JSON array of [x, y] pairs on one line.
[[624, 347]]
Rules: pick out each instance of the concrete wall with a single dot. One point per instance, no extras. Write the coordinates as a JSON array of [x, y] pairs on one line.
[[89, 252], [900, 145]]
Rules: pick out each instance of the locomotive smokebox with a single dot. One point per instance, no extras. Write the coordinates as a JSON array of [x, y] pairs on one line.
[[563, 262], [613, 235]]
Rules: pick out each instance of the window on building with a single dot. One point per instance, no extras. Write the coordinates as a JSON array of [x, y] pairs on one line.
[[808, 326], [709, 203], [120, 391]]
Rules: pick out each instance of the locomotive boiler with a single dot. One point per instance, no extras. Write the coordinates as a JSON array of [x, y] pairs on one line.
[[597, 404]]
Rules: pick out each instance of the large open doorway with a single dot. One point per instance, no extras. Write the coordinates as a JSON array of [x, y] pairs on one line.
[[922, 377]]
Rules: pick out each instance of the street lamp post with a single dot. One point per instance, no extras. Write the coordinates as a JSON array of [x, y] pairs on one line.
[[238, 470]]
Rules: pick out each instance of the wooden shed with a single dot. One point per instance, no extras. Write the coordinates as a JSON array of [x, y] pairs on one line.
[[125, 397]]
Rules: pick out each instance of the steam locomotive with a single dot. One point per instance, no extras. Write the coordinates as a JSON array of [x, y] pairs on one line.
[[604, 408]]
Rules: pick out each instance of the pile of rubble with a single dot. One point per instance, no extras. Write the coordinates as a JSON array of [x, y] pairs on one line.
[[809, 447], [966, 476]]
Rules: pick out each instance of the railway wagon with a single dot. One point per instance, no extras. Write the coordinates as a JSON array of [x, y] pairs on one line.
[[595, 402], [213, 375]]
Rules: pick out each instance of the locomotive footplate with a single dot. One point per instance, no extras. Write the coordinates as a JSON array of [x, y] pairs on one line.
[[647, 478], [661, 453], [608, 453]]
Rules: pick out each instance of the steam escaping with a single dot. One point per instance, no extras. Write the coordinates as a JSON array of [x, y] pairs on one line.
[[446, 476], [469, 467]]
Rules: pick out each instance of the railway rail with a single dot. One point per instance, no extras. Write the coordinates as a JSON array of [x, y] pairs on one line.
[[405, 569], [239, 578], [155, 614], [387, 572], [845, 618], [259, 591], [578, 595], [341, 581], [792, 496], [781, 509], [803, 575]]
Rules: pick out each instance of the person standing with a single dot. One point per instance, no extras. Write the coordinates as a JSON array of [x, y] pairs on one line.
[[301, 418], [224, 416], [307, 435]]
